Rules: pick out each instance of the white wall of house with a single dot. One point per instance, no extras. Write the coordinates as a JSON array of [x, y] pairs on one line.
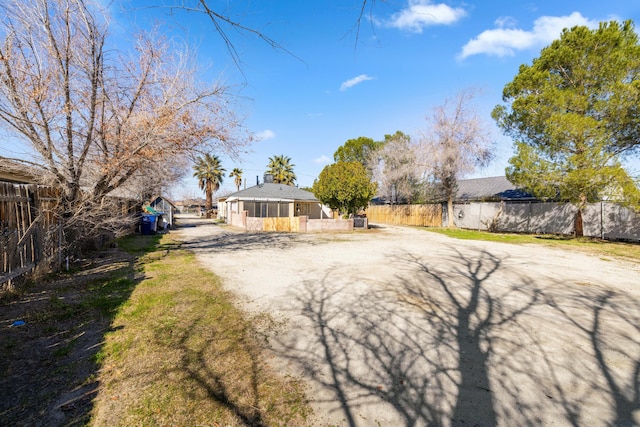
[[222, 209]]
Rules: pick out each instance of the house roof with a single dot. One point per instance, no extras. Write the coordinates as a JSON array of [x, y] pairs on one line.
[[155, 199], [273, 192], [13, 171], [492, 188]]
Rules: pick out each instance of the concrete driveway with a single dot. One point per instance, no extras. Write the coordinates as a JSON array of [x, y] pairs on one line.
[[398, 326]]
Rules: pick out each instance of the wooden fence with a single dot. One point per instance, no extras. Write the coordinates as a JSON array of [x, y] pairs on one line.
[[33, 237], [284, 224], [417, 215], [30, 235], [604, 220]]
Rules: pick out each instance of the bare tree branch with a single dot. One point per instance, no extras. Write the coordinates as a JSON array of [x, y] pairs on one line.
[[219, 22]]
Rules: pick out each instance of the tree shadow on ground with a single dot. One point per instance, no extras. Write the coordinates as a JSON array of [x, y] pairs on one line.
[[222, 369], [420, 345], [245, 241], [213, 378], [476, 344], [468, 313], [608, 324]]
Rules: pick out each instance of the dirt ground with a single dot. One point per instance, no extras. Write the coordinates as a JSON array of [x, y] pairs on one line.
[[48, 339], [398, 326]]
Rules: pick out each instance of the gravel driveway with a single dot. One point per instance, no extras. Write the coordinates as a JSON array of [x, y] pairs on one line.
[[397, 326]]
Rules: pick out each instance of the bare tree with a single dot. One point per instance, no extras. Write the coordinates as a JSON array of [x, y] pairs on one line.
[[395, 168], [101, 121], [456, 144]]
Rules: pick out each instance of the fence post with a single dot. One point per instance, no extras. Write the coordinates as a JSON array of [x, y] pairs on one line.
[[601, 220]]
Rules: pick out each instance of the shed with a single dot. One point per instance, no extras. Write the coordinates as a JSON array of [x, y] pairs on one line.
[[166, 208]]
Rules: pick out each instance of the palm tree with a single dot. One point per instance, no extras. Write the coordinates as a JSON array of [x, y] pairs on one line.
[[210, 173], [281, 169], [237, 172]]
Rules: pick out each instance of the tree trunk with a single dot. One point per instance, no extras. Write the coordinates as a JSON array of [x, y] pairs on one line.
[[578, 230], [208, 204]]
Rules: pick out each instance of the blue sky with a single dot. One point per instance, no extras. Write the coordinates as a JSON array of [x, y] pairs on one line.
[[337, 84], [409, 56]]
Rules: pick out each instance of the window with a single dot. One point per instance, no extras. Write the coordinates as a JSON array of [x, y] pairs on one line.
[[267, 209], [250, 207], [303, 209]]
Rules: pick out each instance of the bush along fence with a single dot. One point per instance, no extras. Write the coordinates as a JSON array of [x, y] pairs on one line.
[[604, 220], [31, 237]]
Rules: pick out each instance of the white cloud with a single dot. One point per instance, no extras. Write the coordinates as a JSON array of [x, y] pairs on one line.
[[265, 134], [506, 21], [506, 41], [354, 81], [423, 13], [322, 160]]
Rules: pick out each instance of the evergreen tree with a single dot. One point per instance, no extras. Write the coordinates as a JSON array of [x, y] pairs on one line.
[[344, 186], [573, 114]]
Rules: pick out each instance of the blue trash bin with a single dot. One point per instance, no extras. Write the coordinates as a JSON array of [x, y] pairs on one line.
[[145, 225], [153, 225]]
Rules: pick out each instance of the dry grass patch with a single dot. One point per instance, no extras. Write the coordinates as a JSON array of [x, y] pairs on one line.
[[182, 354], [598, 247]]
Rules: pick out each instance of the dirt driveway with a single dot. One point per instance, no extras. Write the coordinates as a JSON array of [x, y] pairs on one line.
[[398, 326]]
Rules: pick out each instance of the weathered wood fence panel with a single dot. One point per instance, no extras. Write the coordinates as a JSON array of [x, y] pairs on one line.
[[417, 215], [30, 235], [285, 224], [605, 220]]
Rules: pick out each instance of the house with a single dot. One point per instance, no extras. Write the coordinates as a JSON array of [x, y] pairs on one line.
[[269, 200], [270, 207], [496, 188]]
